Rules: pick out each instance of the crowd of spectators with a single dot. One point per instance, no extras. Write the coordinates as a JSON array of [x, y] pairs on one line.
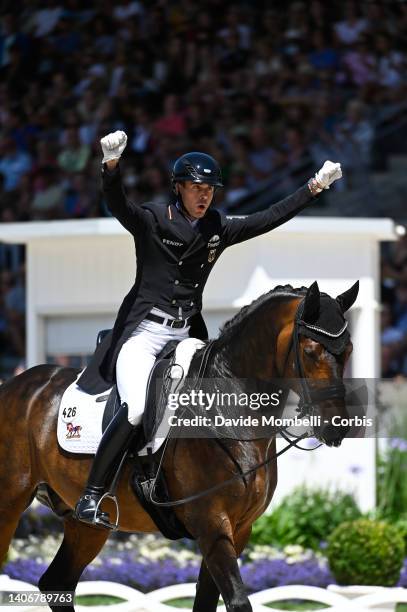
[[259, 85], [262, 86], [394, 310]]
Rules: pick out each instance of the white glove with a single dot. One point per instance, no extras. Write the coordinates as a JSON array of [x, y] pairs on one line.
[[113, 145], [329, 173]]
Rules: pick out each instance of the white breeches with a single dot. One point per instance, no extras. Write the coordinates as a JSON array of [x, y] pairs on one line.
[[136, 359]]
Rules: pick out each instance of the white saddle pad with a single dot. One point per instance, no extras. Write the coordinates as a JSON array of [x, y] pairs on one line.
[[80, 415]]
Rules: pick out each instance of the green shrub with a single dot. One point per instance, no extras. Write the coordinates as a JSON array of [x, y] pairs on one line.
[[305, 517], [391, 480], [401, 525], [366, 552]]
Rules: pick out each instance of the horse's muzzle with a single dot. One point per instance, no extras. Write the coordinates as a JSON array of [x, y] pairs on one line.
[[332, 435]]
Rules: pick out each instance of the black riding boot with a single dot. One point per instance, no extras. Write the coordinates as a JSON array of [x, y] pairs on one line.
[[114, 443]]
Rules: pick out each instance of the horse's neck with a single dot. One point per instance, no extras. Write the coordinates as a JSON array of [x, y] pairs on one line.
[[251, 352]]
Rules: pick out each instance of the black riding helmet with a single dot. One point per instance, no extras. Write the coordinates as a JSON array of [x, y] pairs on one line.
[[198, 168]]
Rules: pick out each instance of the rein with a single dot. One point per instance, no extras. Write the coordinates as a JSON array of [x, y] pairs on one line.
[[305, 407], [220, 485]]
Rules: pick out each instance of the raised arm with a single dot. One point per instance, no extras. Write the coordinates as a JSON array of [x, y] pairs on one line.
[[238, 229], [130, 215]]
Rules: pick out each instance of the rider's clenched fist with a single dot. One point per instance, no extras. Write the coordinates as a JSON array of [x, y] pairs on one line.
[[329, 173], [113, 145]]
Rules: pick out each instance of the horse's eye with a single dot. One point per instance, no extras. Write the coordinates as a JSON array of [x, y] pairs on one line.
[[311, 352]]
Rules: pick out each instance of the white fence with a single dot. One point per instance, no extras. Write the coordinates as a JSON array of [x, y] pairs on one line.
[[135, 601]]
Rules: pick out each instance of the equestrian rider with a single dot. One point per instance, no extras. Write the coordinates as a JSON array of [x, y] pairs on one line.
[[177, 246]]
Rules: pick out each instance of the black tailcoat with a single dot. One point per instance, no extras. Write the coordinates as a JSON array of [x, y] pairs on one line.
[[174, 260]]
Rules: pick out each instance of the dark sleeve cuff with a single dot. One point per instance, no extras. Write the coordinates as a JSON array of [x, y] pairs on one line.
[[110, 177], [107, 172]]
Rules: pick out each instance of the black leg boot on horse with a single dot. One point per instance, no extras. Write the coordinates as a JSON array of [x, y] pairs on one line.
[[111, 450]]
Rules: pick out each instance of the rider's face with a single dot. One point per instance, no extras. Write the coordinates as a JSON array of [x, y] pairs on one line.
[[196, 197]]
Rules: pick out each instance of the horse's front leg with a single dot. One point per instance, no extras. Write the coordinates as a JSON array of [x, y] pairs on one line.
[[207, 593], [220, 550], [79, 547]]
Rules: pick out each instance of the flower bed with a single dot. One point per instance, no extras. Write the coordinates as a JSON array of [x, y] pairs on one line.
[[148, 562]]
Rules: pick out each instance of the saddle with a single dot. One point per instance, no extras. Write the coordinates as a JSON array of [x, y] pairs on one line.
[[144, 477]]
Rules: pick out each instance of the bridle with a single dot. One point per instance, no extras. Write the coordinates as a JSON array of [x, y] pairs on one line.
[[310, 397], [306, 407]]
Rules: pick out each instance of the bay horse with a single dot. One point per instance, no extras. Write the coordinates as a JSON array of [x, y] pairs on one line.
[[284, 334]]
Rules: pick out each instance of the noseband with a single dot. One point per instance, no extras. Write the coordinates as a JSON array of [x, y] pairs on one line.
[[310, 396]]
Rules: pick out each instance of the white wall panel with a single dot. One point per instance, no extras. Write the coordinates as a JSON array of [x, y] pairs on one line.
[[74, 335], [82, 271]]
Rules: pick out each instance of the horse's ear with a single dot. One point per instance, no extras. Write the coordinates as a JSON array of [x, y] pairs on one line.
[[348, 298], [311, 304]]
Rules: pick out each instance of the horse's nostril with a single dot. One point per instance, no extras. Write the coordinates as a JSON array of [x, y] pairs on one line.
[[334, 435]]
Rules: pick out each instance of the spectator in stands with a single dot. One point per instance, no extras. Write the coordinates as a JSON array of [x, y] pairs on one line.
[[391, 64], [7, 213], [156, 184], [263, 157], [128, 9], [323, 55], [74, 155], [22, 201], [238, 188], [318, 11], [354, 137], [104, 39], [232, 56], [236, 25], [48, 201], [378, 18], [400, 308], [14, 302], [399, 253], [79, 198], [391, 343], [44, 20], [295, 148], [141, 140], [13, 163], [360, 63], [12, 320], [296, 32], [349, 30], [173, 121]]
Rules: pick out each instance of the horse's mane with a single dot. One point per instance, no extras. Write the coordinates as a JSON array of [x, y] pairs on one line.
[[236, 323]]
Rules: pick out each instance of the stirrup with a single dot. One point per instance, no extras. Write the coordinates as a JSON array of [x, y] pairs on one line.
[[107, 524]]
